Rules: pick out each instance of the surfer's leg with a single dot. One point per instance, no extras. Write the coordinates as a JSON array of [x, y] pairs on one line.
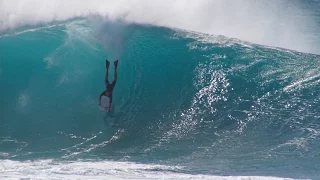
[[115, 76], [107, 72], [115, 72], [106, 77]]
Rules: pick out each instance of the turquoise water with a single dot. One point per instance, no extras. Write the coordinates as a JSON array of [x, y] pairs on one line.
[[193, 103]]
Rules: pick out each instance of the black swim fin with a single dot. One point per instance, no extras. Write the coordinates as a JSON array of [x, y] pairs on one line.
[[107, 64], [116, 64]]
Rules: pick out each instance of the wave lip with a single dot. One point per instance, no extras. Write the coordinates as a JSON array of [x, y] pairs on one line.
[[283, 24]]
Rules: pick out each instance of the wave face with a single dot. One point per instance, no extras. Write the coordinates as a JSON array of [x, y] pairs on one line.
[[208, 104], [290, 24]]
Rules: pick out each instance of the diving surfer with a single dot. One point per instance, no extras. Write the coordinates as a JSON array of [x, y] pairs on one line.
[[105, 98]]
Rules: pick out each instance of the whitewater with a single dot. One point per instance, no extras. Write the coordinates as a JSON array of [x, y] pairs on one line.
[[207, 89]]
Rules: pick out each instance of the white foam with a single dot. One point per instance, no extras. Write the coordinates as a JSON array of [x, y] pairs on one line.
[[300, 82], [23, 100], [276, 23], [49, 169]]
